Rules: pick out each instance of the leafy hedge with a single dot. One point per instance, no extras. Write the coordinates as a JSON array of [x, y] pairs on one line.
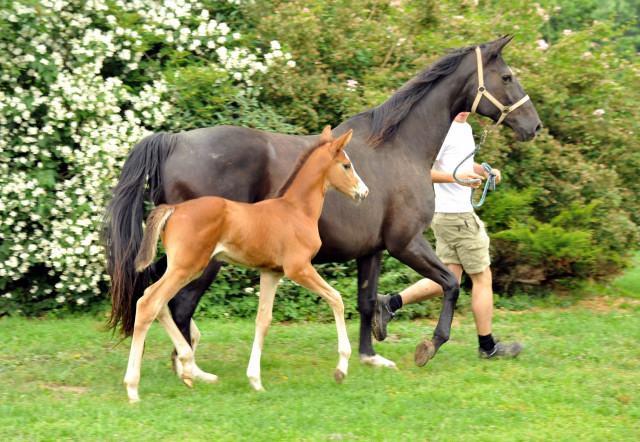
[[82, 81]]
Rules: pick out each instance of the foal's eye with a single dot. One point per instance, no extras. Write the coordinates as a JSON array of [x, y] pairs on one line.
[[346, 166], [506, 78]]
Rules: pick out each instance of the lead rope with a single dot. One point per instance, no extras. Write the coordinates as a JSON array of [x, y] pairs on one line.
[[491, 181]]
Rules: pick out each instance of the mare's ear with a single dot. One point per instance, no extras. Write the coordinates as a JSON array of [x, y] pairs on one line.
[[326, 136], [496, 46], [343, 140]]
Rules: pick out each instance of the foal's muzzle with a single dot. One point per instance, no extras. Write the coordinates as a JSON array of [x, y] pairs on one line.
[[361, 193]]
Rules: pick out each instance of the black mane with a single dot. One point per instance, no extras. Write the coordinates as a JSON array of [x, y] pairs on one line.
[[302, 158], [386, 118]]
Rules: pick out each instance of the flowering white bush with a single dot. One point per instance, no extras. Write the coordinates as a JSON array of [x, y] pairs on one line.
[[80, 83]]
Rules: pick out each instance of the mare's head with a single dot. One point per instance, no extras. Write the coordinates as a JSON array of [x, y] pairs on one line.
[[495, 92], [341, 174]]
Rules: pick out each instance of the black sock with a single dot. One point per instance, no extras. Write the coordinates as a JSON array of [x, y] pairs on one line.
[[486, 342], [395, 302]]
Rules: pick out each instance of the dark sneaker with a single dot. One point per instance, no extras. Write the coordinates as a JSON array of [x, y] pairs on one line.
[[381, 317], [501, 350]]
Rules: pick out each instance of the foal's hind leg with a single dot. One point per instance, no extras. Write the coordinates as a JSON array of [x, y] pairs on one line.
[[308, 278], [147, 308], [268, 284], [198, 374], [182, 306], [185, 353]]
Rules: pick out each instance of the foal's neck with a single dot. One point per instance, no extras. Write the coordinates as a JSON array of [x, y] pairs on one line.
[[307, 190]]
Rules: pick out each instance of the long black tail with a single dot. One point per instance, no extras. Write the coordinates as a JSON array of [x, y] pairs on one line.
[[140, 181]]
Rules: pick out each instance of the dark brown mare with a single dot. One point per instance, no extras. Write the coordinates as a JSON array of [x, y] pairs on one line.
[[279, 236], [394, 146]]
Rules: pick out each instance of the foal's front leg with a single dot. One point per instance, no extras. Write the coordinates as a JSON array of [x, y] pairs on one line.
[[308, 278], [268, 284]]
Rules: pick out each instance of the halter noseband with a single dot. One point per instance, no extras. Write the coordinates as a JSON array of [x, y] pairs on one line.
[[483, 91]]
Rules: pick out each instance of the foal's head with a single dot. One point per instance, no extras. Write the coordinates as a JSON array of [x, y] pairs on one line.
[[341, 174]]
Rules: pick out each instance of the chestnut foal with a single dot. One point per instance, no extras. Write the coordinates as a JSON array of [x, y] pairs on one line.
[[277, 236]]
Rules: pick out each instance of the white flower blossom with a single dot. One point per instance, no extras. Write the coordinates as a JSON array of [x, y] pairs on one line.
[[542, 45], [88, 120]]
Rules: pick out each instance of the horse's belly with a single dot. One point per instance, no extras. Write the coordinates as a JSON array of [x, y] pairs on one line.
[[237, 257]]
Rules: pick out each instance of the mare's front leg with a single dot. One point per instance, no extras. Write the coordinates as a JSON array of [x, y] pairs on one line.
[[308, 278], [148, 307], [418, 254], [268, 284], [368, 274], [182, 306]]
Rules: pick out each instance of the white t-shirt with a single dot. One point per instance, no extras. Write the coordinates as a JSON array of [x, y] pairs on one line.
[[453, 197]]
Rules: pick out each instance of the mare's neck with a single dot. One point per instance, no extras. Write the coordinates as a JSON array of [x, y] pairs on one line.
[[428, 124], [307, 190], [424, 129]]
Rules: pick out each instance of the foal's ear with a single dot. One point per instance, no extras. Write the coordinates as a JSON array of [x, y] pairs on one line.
[[496, 46], [343, 140], [326, 136]]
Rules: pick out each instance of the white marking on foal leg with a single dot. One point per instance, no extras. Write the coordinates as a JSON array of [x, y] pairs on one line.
[[198, 374], [344, 347], [185, 353], [132, 376], [377, 361], [268, 284], [309, 279]]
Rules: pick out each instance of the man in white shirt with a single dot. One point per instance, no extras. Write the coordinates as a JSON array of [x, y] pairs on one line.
[[461, 242]]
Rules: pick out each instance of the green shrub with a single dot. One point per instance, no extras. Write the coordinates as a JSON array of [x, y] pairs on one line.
[[80, 83]]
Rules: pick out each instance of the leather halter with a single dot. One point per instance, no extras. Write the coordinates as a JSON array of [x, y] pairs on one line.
[[482, 91]]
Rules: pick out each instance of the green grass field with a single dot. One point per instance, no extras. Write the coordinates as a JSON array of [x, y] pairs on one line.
[[629, 283], [577, 378]]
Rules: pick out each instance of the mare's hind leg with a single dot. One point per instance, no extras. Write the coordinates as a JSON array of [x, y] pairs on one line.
[[182, 306], [147, 308], [268, 284], [308, 278], [419, 255], [368, 274]]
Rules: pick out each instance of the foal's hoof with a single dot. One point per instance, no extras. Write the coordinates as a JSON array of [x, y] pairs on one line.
[[377, 361], [338, 376], [424, 352], [188, 382]]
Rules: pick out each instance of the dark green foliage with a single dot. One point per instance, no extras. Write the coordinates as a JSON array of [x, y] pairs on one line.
[[567, 210]]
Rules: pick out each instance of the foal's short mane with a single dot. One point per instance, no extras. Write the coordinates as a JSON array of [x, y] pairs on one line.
[[386, 118], [302, 158]]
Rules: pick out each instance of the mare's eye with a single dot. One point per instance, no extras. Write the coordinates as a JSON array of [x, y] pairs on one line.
[[506, 78], [346, 166]]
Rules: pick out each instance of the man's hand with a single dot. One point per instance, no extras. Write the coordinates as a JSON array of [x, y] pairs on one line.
[[469, 176]]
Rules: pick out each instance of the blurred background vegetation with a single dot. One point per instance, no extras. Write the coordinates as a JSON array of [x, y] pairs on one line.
[[566, 213]]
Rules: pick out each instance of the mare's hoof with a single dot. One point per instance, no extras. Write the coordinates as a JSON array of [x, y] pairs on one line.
[[424, 352], [188, 382], [338, 376]]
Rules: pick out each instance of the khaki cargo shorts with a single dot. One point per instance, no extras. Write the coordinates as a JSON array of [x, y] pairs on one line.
[[461, 239]]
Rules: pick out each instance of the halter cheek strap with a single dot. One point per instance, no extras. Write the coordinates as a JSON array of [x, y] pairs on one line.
[[504, 111], [482, 91]]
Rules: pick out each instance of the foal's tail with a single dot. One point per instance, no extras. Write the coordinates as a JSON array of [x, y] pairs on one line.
[[149, 246], [140, 183]]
